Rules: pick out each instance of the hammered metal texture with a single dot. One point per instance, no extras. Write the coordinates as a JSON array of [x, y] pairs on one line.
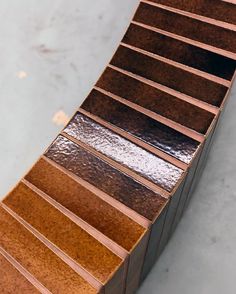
[[98, 208], [141, 126]]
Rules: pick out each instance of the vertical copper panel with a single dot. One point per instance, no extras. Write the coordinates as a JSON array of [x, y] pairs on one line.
[[202, 162], [154, 242], [170, 217], [170, 76], [12, 281], [121, 150], [135, 264], [185, 193], [187, 27], [179, 51], [217, 9], [141, 126], [95, 258], [39, 260], [155, 100]]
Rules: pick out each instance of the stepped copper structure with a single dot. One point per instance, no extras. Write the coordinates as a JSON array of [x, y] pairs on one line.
[[97, 209]]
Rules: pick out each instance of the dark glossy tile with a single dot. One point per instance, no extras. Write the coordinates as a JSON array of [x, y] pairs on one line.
[[85, 204], [124, 152], [141, 126], [12, 281], [170, 76], [187, 27], [156, 100], [217, 9], [40, 261], [179, 51], [85, 250], [105, 177]]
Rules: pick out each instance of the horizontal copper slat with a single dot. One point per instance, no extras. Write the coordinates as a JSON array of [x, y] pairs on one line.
[[38, 259], [155, 100], [216, 9], [119, 149], [61, 231], [170, 76], [12, 281], [105, 177], [189, 55], [187, 27], [85, 204], [147, 129]]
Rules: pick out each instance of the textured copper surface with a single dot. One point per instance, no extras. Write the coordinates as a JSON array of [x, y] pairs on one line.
[[65, 234], [179, 51], [121, 150], [156, 100], [85, 204], [217, 9], [98, 208], [141, 126], [38, 259], [8, 274], [186, 26], [169, 75]]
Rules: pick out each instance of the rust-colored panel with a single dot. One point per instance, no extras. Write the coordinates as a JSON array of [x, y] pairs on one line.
[[141, 126], [217, 9], [170, 76], [187, 27], [119, 149], [118, 227], [179, 51], [65, 234], [85, 204], [156, 101], [40, 261], [12, 281]]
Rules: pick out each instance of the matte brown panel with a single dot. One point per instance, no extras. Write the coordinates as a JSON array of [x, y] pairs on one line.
[[65, 234], [12, 281], [170, 76], [202, 162], [188, 182], [187, 27], [170, 217], [141, 126], [85, 204], [105, 177], [217, 9], [40, 261], [156, 100], [179, 51], [121, 150], [154, 241]]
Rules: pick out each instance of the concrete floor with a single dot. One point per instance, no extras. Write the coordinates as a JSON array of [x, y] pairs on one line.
[[51, 53]]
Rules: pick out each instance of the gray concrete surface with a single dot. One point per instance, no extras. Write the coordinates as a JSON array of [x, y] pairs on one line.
[[51, 53]]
